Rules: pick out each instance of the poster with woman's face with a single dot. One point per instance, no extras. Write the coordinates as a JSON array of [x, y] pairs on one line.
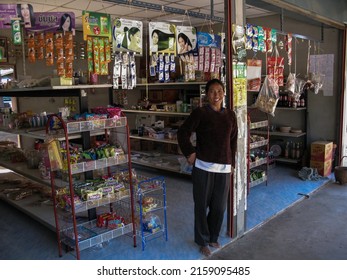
[[162, 37], [186, 39], [54, 22], [127, 35]]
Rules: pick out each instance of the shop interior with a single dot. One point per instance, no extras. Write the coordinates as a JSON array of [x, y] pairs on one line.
[[152, 153]]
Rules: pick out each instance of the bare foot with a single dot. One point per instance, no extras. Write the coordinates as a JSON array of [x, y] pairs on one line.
[[215, 245], [205, 251]]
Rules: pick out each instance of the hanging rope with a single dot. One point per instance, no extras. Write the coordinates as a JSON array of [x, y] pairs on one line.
[[308, 57]]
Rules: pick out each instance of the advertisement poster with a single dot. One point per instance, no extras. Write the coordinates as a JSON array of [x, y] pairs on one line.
[[186, 39], [54, 22], [127, 35], [162, 37], [208, 40], [36, 22], [96, 24], [7, 12], [23, 12], [240, 92], [253, 74]]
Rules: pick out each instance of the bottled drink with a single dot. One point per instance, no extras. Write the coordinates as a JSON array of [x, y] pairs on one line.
[[286, 151], [298, 154], [293, 151]]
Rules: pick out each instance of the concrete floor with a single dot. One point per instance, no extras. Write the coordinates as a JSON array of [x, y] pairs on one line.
[[314, 228]]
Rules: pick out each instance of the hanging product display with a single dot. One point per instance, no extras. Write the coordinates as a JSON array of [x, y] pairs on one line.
[[190, 64], [239, 41], [16, 32], [97, 33], [53, 22], [98, 53], [251, 38], [289, 39], [50, 37], [162, 42], [96, 24], [268, 96], [31, 47], [275, 68], [124, 70], [162, 37], [209, 53], [49, 48], [186, 39], [127, 35], [39, 45], [239, 92], [239, 67], [253, 74], [260, 38]]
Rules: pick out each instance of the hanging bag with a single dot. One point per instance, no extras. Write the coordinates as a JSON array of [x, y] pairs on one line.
[[268, 96]]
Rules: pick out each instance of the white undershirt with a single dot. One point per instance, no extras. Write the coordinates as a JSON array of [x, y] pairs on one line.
[[213, 167]]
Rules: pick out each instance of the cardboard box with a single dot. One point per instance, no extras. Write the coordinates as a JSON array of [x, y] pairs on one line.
[[61, 81], [323, 167], [321, 150]]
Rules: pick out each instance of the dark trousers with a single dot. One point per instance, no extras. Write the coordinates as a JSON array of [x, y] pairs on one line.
[[210, 194]]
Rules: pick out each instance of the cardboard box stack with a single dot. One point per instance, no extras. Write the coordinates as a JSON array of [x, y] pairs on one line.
[[321, 157]]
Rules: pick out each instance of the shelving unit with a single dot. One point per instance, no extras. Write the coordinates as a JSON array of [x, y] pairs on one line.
[[83, 236], [154, 190], [169, 158], [288, 112], [259, 165], [44, 213]]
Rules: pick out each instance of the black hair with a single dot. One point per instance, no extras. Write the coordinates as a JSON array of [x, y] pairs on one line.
[[212, 82], [31, 12], [62, 21], [163, 39], [131, 32], [155, 31], [185, 39]]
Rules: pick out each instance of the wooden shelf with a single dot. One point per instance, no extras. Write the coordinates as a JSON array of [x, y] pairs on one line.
[[257, 182], [258, 144], [278, 133], [287, 160], [259, 124], [32, 174], [159, 113], [258, 163], [171, 84], [54, 91], [146, 138], [167, 162], [291, 108]]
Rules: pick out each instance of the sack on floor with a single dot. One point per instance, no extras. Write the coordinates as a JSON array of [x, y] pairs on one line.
[[308, 173]]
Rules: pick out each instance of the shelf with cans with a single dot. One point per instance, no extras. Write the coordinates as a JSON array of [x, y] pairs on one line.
[[259, 156]]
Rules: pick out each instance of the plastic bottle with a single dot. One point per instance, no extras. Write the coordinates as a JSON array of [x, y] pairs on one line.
[[293, 151], [298, 154], [286, 151]]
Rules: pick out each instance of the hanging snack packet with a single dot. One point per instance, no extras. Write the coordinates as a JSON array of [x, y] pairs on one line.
[[268, 97], [49, 48], [90, 54], [261, 39]]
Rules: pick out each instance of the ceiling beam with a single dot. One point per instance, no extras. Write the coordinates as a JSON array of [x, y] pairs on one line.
[[166, 9]]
